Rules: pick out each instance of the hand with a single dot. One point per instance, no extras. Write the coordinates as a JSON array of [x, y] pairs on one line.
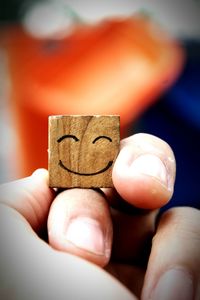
[[89, 223]]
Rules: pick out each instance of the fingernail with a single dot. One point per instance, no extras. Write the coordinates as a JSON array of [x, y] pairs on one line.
[[87, 234], [151, 165], [174, 284]]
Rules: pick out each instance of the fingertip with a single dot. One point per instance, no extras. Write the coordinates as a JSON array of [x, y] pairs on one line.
[[144, 172], [41, 173], [142, 191], [30, 196]]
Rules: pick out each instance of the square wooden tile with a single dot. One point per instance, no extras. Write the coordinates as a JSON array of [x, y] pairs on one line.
[[82, 150]]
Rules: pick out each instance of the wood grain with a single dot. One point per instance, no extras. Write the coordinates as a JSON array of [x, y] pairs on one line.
[[82, 150]]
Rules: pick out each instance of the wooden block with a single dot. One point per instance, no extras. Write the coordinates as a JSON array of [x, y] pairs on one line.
[[82, 150]]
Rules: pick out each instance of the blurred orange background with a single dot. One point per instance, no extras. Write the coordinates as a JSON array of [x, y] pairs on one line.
[[114, 66]]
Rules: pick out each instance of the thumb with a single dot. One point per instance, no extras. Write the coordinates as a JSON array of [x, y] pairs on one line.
[[79, 223]]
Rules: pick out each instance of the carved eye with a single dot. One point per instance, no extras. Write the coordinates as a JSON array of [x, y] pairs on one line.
[[102, 137], [67, 136]]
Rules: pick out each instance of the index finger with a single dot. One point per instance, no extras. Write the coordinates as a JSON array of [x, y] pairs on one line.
[[144, 171], [30, 196]]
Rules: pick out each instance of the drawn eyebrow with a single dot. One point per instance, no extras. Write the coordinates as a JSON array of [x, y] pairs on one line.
[[102, 137], [67, 136]]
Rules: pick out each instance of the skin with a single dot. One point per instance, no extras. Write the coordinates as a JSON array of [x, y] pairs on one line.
[[122, 220]]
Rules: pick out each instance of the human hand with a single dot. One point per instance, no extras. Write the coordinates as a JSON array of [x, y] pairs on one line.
[[81, 222]]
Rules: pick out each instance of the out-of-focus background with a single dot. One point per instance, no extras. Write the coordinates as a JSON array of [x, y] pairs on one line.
[[137, 58]]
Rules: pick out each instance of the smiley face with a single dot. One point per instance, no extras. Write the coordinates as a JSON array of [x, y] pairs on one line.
[[109, 164], [82, 150]]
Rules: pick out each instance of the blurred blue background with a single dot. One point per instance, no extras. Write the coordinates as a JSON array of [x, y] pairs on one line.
[[176, 119]]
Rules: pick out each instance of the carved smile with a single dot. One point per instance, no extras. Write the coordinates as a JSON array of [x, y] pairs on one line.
[[86, 174]]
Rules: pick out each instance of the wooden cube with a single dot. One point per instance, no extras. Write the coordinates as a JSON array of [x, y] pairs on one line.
[[82, 150]]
